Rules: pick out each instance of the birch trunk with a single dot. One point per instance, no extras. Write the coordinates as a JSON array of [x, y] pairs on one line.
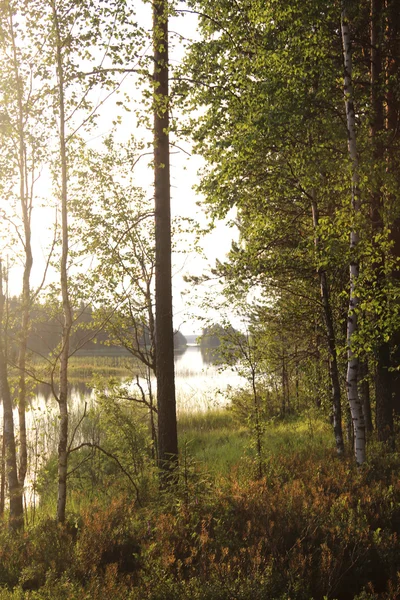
[[167, 427], [67, 314], [333, 365], [355, 404], [26, 209], [16, 505]]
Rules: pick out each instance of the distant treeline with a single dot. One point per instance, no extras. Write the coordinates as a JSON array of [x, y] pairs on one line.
[[87, 336], [215, 335]]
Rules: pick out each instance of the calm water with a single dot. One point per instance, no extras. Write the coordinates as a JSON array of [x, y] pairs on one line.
[[200, 385]]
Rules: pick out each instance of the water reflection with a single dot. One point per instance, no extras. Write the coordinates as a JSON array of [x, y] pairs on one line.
[[200, 384], [79, 388]]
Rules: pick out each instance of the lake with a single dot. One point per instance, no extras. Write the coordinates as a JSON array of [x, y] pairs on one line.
[[200, 386]]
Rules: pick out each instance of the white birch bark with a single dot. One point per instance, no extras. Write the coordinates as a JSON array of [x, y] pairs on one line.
[[26, 210], [355, 404], [67, 314]]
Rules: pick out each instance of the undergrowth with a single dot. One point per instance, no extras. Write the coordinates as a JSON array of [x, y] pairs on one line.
[[313, 527]]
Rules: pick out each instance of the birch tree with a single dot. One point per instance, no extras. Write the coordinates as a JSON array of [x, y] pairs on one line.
[[92, 37], [15, 109], [24, 138], [26, 211], [357, 414], [66, 304]]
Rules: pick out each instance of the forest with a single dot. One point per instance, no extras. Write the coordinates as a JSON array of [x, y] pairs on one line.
[[282, 121]]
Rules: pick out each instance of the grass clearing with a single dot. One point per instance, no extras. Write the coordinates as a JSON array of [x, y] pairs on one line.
[[214, 439], [219, 441]]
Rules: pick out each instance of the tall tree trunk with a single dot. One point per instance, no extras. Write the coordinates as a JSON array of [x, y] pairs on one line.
[[26, 209], [15, 491], [67, 313], [333, 365], [167, 427], [355, 404], [383, 390], [257, 424], [393, 164]]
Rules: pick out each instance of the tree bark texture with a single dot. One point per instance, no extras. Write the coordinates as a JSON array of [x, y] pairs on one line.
[[257, 424], [383, 393], [331, 337], [355, 404], [16, 505], [67, 313], [166, 402]]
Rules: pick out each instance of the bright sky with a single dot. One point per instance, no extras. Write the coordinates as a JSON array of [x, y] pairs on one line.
[[184, 176]]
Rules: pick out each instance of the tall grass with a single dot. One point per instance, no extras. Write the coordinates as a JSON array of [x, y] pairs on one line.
[[221, 442], [87, 366], [213, 438]]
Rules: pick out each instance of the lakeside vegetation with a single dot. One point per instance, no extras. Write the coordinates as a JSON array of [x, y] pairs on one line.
[[85, 367], [291, 491], [314, 526]]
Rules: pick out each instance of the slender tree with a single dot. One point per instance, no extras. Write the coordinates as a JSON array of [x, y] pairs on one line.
[[25, 198], [66, 304], [81, 36], [393, 164], [383, 391], [355, 403], [166, 401], [330, 329], [15, 491]]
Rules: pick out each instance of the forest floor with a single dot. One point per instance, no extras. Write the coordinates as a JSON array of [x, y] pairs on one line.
[[313, 526]]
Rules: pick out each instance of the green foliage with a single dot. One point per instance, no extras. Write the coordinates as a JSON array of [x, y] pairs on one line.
[[272, 130], [111, 454]]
